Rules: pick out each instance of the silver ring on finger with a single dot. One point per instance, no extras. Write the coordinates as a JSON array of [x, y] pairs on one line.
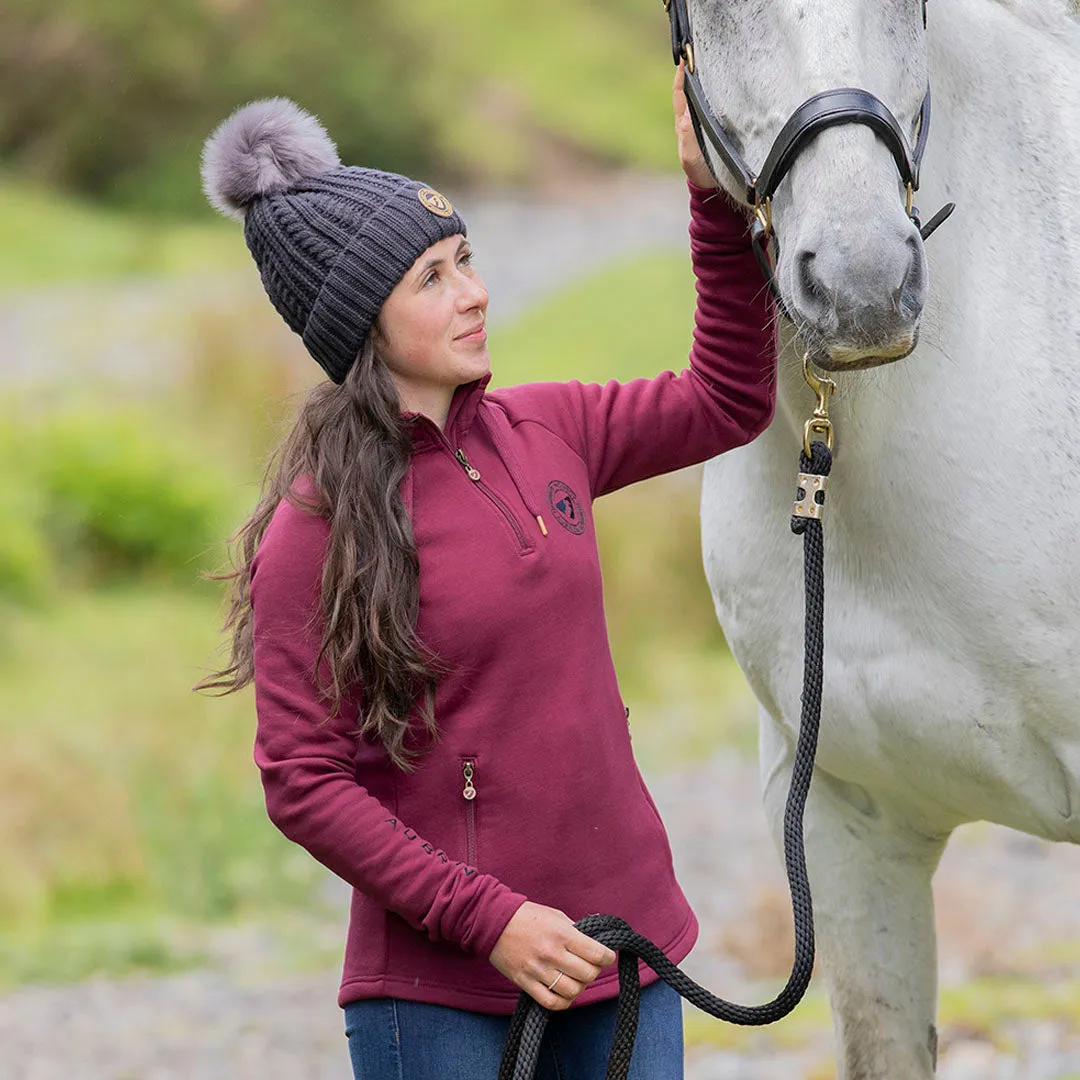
[[555, 980]]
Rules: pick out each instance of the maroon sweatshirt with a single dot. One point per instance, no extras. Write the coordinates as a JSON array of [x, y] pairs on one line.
[[532, 793]]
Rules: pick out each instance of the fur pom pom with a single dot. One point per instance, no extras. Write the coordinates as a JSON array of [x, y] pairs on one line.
[[262, 148]]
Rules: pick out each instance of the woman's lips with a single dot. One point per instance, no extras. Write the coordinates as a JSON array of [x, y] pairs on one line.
[[476, 335]]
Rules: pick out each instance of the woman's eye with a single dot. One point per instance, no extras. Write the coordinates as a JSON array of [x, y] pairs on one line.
[[431, 278], [466, 258]]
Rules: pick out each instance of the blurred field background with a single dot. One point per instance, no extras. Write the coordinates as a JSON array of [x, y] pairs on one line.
[[125, 796], [144, 378], [130, 812]]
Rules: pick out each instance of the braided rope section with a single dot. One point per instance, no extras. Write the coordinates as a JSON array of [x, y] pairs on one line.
[[530, 1018]]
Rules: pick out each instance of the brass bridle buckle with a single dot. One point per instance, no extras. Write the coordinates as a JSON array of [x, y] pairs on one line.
[[763, 212]]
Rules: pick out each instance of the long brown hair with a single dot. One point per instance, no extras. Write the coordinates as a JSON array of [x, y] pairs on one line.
[[351, 441]]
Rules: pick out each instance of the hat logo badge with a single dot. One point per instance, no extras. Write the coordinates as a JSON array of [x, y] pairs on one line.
[[436, 203]]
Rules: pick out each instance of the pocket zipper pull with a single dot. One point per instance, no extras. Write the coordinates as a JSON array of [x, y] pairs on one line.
[[470, 789]]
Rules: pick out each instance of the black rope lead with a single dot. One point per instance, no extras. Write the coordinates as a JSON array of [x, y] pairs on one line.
[[530, 1018]]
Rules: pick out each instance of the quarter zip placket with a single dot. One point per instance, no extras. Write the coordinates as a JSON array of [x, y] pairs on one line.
[[474, 475], [524, 544]]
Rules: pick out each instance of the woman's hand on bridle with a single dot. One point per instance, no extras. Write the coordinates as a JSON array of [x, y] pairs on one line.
[[690, 155]]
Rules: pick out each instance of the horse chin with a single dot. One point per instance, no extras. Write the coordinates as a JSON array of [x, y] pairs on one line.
[[858, 358]]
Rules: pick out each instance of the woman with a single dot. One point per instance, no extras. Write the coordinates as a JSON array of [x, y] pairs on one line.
[[419, 605]]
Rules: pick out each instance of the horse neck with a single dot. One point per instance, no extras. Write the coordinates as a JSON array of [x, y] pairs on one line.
[[1006, 120], [1005, 269]]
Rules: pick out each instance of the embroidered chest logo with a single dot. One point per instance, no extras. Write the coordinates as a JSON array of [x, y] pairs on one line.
[[566, 507]]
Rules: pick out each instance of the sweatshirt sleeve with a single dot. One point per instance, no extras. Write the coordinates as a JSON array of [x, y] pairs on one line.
[[626, 432], [308, 763]]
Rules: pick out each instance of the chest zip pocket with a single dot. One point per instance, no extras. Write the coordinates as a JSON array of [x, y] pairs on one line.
[[468, 771]]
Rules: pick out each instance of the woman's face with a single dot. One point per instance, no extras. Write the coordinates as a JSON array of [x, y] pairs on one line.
[[430, 331]]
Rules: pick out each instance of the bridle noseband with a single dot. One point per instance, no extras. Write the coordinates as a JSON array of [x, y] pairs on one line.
[[846, 105]]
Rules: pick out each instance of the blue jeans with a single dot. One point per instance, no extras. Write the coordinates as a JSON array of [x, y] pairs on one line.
[[391, 1039]]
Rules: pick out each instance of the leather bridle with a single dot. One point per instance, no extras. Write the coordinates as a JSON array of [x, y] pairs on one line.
[[846, 105]]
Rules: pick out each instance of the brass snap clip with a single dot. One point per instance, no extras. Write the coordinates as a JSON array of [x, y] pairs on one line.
[[819, 422], [810, 493]]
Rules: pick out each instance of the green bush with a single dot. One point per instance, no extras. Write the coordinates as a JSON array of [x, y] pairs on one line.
[[113, 98], [123, 495], [26, 568]]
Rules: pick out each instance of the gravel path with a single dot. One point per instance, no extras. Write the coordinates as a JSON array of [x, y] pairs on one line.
[[232, 1024], [1005, 902]]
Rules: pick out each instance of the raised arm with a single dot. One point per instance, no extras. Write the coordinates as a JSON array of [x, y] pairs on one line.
[[629, 431]]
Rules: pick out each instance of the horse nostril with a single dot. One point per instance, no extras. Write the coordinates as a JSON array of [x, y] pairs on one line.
[[812, 295], [804, 272], [908, 298]]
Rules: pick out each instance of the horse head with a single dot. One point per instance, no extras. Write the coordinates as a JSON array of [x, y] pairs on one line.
[[851, 268]]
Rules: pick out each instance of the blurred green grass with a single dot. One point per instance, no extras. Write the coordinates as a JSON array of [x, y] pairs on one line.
[[131, 813], [51, 238], [633, 319], [512, 85]]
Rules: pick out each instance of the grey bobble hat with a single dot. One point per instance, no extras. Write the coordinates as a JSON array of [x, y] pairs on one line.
[[330, 240]]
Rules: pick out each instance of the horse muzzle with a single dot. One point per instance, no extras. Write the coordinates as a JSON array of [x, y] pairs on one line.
[[857, 304]]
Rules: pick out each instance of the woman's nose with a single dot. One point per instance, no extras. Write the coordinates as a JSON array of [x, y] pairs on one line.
[[473, 292]]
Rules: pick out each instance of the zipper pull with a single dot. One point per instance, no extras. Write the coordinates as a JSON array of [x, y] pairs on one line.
[[470, 790], [473, 473]]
